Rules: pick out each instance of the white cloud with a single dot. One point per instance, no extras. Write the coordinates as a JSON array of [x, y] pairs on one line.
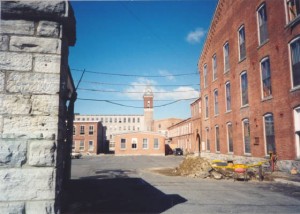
[[166, 73], [195, 36]]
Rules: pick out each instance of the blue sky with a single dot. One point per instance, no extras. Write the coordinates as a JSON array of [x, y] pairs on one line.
[[121, 44]]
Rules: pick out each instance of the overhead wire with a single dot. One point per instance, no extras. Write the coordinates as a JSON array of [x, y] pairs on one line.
[[133, 92]]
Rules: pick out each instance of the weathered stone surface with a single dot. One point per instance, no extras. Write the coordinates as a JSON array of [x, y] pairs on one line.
[[34, 44], [2, 76], [12, 153], [45, 104], [3, 42], [15, 61], [48, 29], [41, 153], [27, 184], [12, 207], [216, 175], [40, 207], [47, 63], [36, 83], [1, 124], [35, 127], [21, 27]]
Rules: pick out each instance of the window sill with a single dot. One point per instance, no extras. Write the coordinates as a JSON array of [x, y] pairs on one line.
[[227, 112], [218, 152], [293, 23], [262, 44], [267, 98], [241, 60], [214, 80], [227, 71], [247, 155], [230, 153], [216, 115], [205, 119], [244, 106], [297, 88]]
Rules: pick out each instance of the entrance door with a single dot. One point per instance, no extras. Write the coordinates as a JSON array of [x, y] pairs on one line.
[[297, 130]]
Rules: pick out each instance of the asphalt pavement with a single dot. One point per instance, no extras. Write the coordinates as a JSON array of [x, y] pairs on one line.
[[109, 184]]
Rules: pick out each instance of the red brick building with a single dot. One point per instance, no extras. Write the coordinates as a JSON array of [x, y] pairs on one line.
[[88, 137], [250, 79], [139, 143]]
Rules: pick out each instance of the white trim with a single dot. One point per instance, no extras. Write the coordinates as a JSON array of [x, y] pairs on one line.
[[147, 143], [207, 138], [214, 71], [243, 129], [241, 89], [239, 51], [226, 43], [216, 90], [261, 77], [206, 105], [264, 128], [121, 143], [297, 138], [227, 124], [227, 83], [89, 145], [134, 141], [205, 76], [217, 126], [290, 62], [263, 4]]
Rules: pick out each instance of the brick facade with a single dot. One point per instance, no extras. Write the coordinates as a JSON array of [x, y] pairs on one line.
[[269, 105]]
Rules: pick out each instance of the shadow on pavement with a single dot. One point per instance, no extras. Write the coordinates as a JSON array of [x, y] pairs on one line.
[[112, 191]]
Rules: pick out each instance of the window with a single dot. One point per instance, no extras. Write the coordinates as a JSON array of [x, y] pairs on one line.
[[123, 143], [91, 145], [266, 78], [206, 106], [116, 120], [217, 139], [91, 130], [229, 138], [74, 130], [205, 75], [133, 128], [81, 145], [110, 120], [134, 143], [73, 145], [106, 120], [292, 9], [138, 119], [242, 43], [129, 128], [269, 133], [226, 57], [295, 58], [133, 120], [262, 24], [128, 119], [244, 88], [207, 139], [124, 120], [246, 135], [145, 143], [156, 143], [214, 65], [81, 130], [228, 96], [216, 102]]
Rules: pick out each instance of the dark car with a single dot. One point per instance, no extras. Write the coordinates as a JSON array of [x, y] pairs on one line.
[[178, 151]]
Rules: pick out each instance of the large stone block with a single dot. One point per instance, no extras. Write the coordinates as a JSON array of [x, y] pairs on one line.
[[2, 79], [12, 207], [37, 83], [33, 127], [41, 153], [40, 207], [27, 184], [45, 104], [48, 29], [15, 104], [12, 153], [3, 43], [35, 44], [46, 63], [21, 27], [15, 61]]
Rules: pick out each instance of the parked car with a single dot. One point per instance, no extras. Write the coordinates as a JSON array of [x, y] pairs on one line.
[[76, 155], [178, 151]]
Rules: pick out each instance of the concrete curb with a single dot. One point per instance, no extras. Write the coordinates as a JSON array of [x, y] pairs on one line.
[[284, 181]]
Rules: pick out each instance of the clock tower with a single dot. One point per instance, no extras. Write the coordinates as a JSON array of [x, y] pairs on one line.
[[148, 109]]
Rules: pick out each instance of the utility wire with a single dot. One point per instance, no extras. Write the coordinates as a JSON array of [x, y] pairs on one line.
[[134, 75], [130, 106], [132, 92]]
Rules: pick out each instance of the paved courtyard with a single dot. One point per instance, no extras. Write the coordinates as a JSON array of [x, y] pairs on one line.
[[109, 184]]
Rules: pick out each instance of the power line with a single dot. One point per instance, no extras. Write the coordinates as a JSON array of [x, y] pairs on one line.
[[134, 75], [123, 84], [132, 92], [130, 106]]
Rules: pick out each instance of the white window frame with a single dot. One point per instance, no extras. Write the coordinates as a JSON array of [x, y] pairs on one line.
[[216, 102], [227, 133], [297, 128], [239, 42], [145, 144], [265, 134], [205, 76], [291, 63], [287, 11], [241, 89], [91, 129], [214, 67], [81, 148], [224, 57], [123, 142], [226, 84], [82, 130], [155, 143], [206, 107], [263, 5], [261, 78], [207, 140], [244, 143], [134, 141]]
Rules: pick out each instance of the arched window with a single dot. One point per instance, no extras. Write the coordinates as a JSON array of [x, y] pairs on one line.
[[269, 133], [246, 136]]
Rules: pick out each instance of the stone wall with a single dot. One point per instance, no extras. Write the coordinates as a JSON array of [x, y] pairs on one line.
[[36, 99]]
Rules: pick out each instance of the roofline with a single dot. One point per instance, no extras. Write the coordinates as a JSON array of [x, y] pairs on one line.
[[140, 132]]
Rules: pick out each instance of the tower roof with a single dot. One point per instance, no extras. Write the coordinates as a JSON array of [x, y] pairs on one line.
[[148, 91]]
